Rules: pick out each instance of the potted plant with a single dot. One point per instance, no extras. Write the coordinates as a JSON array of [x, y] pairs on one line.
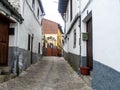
[[85, 70]]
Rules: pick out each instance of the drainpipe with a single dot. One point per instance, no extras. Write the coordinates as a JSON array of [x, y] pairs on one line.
[[80, 35], [65, 23], [16, 52], [80, 41]]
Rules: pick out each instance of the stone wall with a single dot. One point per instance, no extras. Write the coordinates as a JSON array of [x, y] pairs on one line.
[[105, 78], [73, 59], [20, 59]]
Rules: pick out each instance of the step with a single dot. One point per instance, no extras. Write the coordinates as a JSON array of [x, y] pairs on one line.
[[2, 78], [5, 70], [13, 76]]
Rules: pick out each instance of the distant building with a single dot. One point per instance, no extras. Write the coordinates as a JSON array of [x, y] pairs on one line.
[[51, 38], [24, 42], [60, 40], [92, 39]]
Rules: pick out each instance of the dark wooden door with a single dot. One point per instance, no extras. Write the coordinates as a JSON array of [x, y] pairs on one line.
[[89, 44], [4, 43]]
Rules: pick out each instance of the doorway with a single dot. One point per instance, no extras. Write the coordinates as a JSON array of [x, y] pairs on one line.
[[89, 44], [4, 37]]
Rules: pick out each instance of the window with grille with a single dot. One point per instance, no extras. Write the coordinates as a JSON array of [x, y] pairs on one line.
[[74, 43], [39, 48], [38, 13], [29, 39]]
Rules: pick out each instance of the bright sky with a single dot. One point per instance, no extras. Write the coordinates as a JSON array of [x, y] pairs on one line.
[[51, 11]]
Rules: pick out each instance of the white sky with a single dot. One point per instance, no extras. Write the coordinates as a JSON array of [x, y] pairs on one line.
[[51, 11]]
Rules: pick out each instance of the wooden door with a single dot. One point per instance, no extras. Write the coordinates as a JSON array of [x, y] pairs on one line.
[[4, 43], [89, 44]]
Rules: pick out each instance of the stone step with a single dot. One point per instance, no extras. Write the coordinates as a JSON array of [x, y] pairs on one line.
[[5, 74], [5, 70], [2, 78], [13, 76]]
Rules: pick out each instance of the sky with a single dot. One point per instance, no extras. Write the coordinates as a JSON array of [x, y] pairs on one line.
[[51, 11]]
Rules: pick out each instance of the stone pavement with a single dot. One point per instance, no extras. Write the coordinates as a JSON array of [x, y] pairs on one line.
[[51, 73]]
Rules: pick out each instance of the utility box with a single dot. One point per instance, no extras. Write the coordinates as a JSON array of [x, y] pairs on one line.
[[85, 36]]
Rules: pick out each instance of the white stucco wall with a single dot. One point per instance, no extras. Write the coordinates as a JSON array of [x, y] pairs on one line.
[[71, 49], [84, 4], [65, 48], [68, 46], [106, 32], [30, 25], [106, 29], [75, 10]]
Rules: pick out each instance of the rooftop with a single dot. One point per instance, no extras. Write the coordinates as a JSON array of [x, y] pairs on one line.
[[49, 27]]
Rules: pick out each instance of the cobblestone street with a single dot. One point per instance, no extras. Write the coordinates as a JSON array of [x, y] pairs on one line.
[[51, 73]]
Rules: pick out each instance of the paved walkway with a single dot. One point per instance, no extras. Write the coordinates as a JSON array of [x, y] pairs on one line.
[[51, 73]]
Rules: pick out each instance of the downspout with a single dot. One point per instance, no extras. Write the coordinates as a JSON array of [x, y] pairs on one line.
[[80, 41], [16, 62], [65, 23], [17, 53], [80, 36]]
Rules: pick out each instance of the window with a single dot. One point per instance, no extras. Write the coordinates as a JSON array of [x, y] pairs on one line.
[[33, 4], [29, 39], [74, 42], [38, 13], [39, 48], [71, 16]]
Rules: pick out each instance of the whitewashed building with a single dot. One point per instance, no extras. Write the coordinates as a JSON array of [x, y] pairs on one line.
[[99, 40], [8, 15], [70, 12], [25, 41]]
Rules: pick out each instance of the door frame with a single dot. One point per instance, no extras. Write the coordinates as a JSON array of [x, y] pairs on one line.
[[4, 43], [89, 44]]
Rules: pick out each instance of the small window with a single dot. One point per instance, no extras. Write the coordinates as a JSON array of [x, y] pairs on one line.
[[33, 4], [74, 43], [39, 48], [29, 39], [38, 13]]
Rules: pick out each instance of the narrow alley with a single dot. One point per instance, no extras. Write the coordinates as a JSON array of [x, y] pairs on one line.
[[51, 73]]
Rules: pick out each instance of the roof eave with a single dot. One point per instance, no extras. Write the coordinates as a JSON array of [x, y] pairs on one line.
[[18, 17], [60, 28], [62, 6], [41, 7]]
